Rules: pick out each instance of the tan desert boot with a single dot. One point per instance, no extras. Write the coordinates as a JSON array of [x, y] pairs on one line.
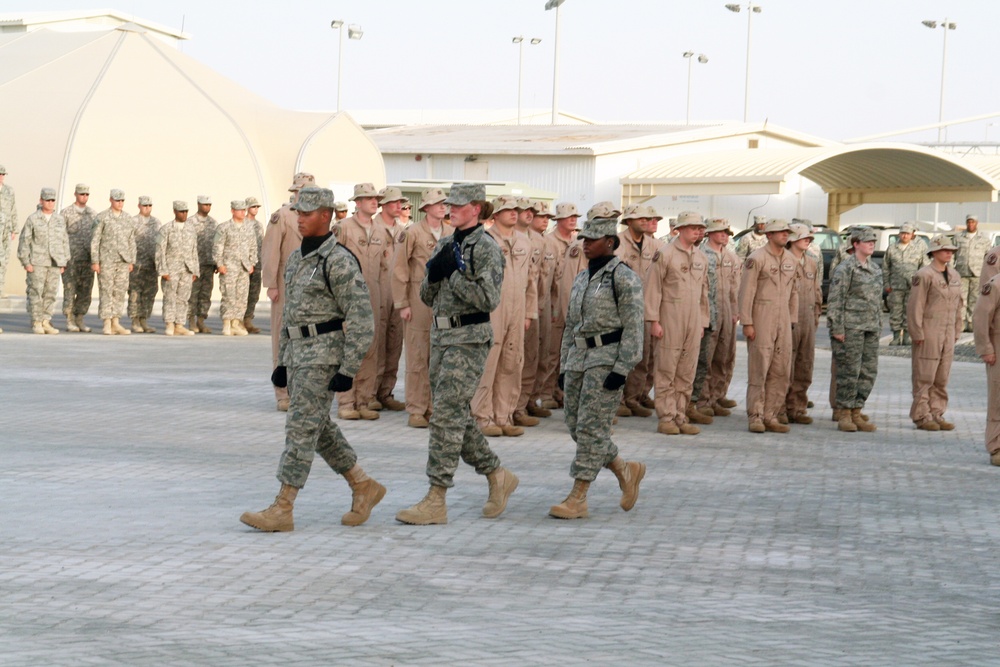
[[667, 427], [417, 421], [688, 429], [629, 474], [575, 505], [491, 430], [48, 328], [71, 324], [118, 328], [146, 328], [430, 510], [511, 431], [248, 325], [227, 328], [201, 327], [180, 330], [108, 330], [278, 517], [502, 483], [696, 416], [845, 423], [36, 328], [638, 409], [136, 325], [862, 423], [366, 493], [80, 323], [237, 328], [170, 329]]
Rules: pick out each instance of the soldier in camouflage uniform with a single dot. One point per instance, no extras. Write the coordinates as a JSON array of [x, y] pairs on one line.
[[177, 266], [142, 281], [44, 252], [78, 279], [972, 249], [901, 261], [253, 296], [462, 287], [8, 225], [112, 251], [854, 317], [325, 298], [201, 292], [754, 240], [235, 254], [601, 344]]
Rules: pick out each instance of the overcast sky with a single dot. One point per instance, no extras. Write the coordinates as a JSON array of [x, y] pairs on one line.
[[835, 69]]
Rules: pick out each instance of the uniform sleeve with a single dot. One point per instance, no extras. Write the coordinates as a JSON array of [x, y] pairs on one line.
[[161, 252], [706, 310], [482, 288], [219, 246], [24, 243], [836, 301], [400, 279], [654, 289], [351, 292], [95, 242], [748, 290], [572, 320], [793, 301], [429, 290], [630, 311], [982, 318], [270, 252], [886, 269], [531, 298], [253, 247], [915, 307]]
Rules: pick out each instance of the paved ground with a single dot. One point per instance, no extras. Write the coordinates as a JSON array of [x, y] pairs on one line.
[[126, 462]]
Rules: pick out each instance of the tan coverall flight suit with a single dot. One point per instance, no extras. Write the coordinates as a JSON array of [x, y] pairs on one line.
[[388, 371], [810, 294], [638, 258], [934, 315], [280, 238], [720, 371], [569, 261], [529, 369], [986, 328]]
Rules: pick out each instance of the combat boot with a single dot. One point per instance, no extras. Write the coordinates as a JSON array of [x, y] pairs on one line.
[[136, 325], [146, 328], [688, 429], [431, 510], [835, 415], [367, 414], [845, 422], [48, 328], [706, 410], [927, 424], [647, 402], [897, 338], [575, 505], [237, 328], [783, 418], [667, 427], [726, 402], [536, 411], [417, 421], [348, 413], [511, 431], [906, 338], [118, 328], [629, 474], [995, 458], [71, 324], [108, 330], [248, 325], [623, 411], [637, 409], [800, 418], [390, 403], [193, 324], [944, 424], [550, 404], [227, 328], [721, 410], [36, 328], [170, 329], [775, 426], [282, 405], [83, 325], [491, 430], [756, 425], [180, 330], [201, 327], [366, 493], [276, 518], [524, 419], [696, 416], [862, 423], [502, 483]]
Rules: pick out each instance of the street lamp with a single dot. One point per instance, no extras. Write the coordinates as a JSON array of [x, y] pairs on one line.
[[946, 25], [519, 40], [354, 31], [702, 58], [751, 10], [555, 4]]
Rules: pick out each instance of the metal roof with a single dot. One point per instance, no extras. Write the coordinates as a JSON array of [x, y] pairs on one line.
[[54, 18]]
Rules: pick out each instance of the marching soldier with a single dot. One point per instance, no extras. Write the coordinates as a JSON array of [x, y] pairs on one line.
[[142, 280], [326, 298], [78, 278], [112, 251], [391, 202], [636, 250], [600, 345], [748, 243], [969, 258], [43, 250], [809, 283], [722, 360], [253, 295], [559, 242], [935, 313], [462, 287], [901, 261], [234, 252], [177, 265], [201, 291]]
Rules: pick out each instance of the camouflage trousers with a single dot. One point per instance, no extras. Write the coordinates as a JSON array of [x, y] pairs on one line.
[[897, 308], [455, 372], [4, 261], [43, 283], [176, 294], [112, 283], [705, 353], [970, 294], [234, 285], [590, 408], [856, 366], [309, 429], [201, 292], [389, 360], [78, 288], [141, 292], [635, 384], [253, 296]]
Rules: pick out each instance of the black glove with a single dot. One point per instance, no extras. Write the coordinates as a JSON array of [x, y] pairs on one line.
[[614, 381], [341, 383], [562, 381], [279, 377], [441, 266]]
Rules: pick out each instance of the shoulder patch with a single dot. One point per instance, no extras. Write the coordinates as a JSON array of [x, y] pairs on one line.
[[749, 263], [991, 259], [656, 256], [987, 288], [574, 251], [916, 281], [401, 237]]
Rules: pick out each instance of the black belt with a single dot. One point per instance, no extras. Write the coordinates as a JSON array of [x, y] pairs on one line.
[[600, 341], [310, 330], [456, 321]]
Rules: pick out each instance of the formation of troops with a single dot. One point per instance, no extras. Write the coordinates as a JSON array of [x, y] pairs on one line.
[[509, 309]]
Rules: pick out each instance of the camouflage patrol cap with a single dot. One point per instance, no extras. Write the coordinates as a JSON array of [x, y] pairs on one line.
[[776, 225], [505, 203], [972, 216], [81, 189], [597, 228], [339, 206], [312, 198], [180, 205], [908, 228], [238, 204], [301, 180], [431, 196], [759, 220], [204, 199], [3, 170], [651, 212], [252, 201], [718, 225], [566, 209], [118, 195], [145, 200], [464, 193], [799, 231], [940, 242], [542, 208], [689, 219], [362, 190], [48, 194], [389, 194], [862, 234], [603, 210], [405, 200], [633, 212]]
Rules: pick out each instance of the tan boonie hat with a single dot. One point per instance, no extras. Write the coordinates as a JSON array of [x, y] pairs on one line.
[[238, 204], [596, 228], [466, 193], [718, 225], [339, 206], [689, 219], [651, 212], [389, 194], [48, 194], [252, 201], [432, 196], [542, 208], [862, 234], [940, 242], [362, 190], [301, 180], [777, 225], [633, 212], [118, 195], [204, 199], [180, 205], [505, 203], [525, 203], [798, 231], [145, 200], [312, 198], [566, 210], [603, 210], [81, 189]]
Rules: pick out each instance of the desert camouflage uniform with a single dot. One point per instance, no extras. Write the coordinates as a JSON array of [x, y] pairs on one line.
[[854, 309], [177, 257], [253, 295], [201, 290], [78, 279], [235, 248], [458, 355], [113, 248], [969, 259], [898, 266], [610, 300], [8, 225], [44, 245], [323, 286], [142, 280], [748, 243]]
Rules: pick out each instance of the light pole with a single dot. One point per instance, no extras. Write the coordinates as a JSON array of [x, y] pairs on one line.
[[353, 32], [946, 25], [519, 40], [751, 10], [702, 58], [555, 4]]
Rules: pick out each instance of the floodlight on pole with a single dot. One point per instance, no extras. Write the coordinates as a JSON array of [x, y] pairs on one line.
[[555, 4], [353, 32], [519, 40], [702, 58], [947, 26], [751, 10]]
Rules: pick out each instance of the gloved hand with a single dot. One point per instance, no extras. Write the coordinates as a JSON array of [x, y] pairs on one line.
[[441, 266], [456, 251], [562, 381], [279, 377], [341, 383], [614, 381]]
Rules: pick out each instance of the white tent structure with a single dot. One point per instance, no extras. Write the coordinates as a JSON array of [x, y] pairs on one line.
[[120, 108]]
